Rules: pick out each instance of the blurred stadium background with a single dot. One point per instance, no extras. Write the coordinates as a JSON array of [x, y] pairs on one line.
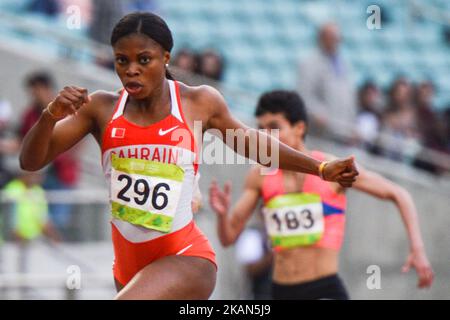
[[256, 45]]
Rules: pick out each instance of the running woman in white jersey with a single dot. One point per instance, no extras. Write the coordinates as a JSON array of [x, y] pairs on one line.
[[149, 161]]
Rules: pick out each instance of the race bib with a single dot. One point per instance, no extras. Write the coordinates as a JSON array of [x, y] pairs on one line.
[[145, 193], [294, 219]]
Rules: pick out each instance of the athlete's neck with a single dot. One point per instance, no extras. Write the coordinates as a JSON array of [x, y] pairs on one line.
[[155, 101]]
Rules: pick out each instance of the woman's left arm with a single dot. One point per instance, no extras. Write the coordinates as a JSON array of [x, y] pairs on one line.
[[380, 187], [250, 142]]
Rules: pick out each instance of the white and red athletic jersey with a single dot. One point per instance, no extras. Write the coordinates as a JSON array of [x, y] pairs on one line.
[[168, 141]]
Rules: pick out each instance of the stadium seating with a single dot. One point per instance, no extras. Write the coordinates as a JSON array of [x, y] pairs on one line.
[[263, 41]]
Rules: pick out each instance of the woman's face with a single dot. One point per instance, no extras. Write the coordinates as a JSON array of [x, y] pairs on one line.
[[290, 134], [402, 93], [140, 64]]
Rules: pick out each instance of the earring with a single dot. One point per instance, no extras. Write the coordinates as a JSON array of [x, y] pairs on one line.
[[167, 65]]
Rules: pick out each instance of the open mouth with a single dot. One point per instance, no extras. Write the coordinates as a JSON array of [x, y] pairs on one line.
[[133, 87]]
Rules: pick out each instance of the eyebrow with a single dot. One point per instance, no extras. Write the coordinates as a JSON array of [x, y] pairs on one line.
[[144, 51], [139, 53]]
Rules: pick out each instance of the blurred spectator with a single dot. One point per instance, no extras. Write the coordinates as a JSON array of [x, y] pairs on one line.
[[368, 119], [253, 253], [446, 116], [47, 7], [208, 63], [211, 65], [325, 84], [40, 87], [8, 144], [400, 139], [186, 60], [431, 127], [29, 207], [29, 211], [105, 14], [63, 173], [5, 113]]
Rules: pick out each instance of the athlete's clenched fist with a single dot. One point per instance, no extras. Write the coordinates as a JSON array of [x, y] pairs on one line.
[[68, 101]]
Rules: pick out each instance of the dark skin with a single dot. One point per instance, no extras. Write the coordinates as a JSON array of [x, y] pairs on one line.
[[141, 60]]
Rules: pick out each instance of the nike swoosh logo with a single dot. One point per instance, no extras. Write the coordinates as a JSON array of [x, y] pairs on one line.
[[183, 250], [163, 132]]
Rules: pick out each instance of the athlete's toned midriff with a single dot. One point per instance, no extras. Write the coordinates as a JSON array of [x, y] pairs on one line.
[[313, 254], [304, 264]]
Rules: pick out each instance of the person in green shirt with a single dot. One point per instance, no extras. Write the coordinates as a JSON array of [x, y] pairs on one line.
[[29, 209]]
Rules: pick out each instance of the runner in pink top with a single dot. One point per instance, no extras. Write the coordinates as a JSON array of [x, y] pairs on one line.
[[333, 205], [305, 216]]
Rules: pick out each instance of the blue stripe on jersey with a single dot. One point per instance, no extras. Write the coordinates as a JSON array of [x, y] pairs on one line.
[[329, 210]]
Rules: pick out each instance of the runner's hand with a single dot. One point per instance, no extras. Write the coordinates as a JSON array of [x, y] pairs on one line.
[[418, 260], [220, 200], [68, 101], [342, 171]]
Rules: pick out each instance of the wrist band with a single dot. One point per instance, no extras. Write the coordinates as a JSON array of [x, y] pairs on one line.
[[51, 114], [322, 168]]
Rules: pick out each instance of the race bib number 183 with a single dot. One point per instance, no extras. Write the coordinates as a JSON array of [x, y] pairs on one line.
[[145, 193], [294, 219]]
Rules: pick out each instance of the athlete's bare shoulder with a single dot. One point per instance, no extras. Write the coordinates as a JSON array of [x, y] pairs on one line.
[[203, 96], [104, 98], [198, 92], [202, 103], [102, 103]]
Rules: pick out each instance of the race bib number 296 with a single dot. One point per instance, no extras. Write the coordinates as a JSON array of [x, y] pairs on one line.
[[145, 193]]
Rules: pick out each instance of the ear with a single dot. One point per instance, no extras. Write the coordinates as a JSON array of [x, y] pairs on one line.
[[166, 57], [300, 128]]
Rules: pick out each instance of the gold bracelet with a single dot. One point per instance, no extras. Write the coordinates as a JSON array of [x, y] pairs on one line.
[[322, 168], [51, 114]]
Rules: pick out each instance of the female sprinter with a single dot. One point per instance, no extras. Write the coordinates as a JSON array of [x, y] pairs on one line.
[[304, 215], [149, 161]]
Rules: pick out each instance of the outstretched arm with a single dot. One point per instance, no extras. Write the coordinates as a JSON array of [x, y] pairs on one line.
[[376, 185], [342, 171], [230, 226]]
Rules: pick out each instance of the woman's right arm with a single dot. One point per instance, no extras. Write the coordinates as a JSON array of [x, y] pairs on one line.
[[230, 226], [70, 119]]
